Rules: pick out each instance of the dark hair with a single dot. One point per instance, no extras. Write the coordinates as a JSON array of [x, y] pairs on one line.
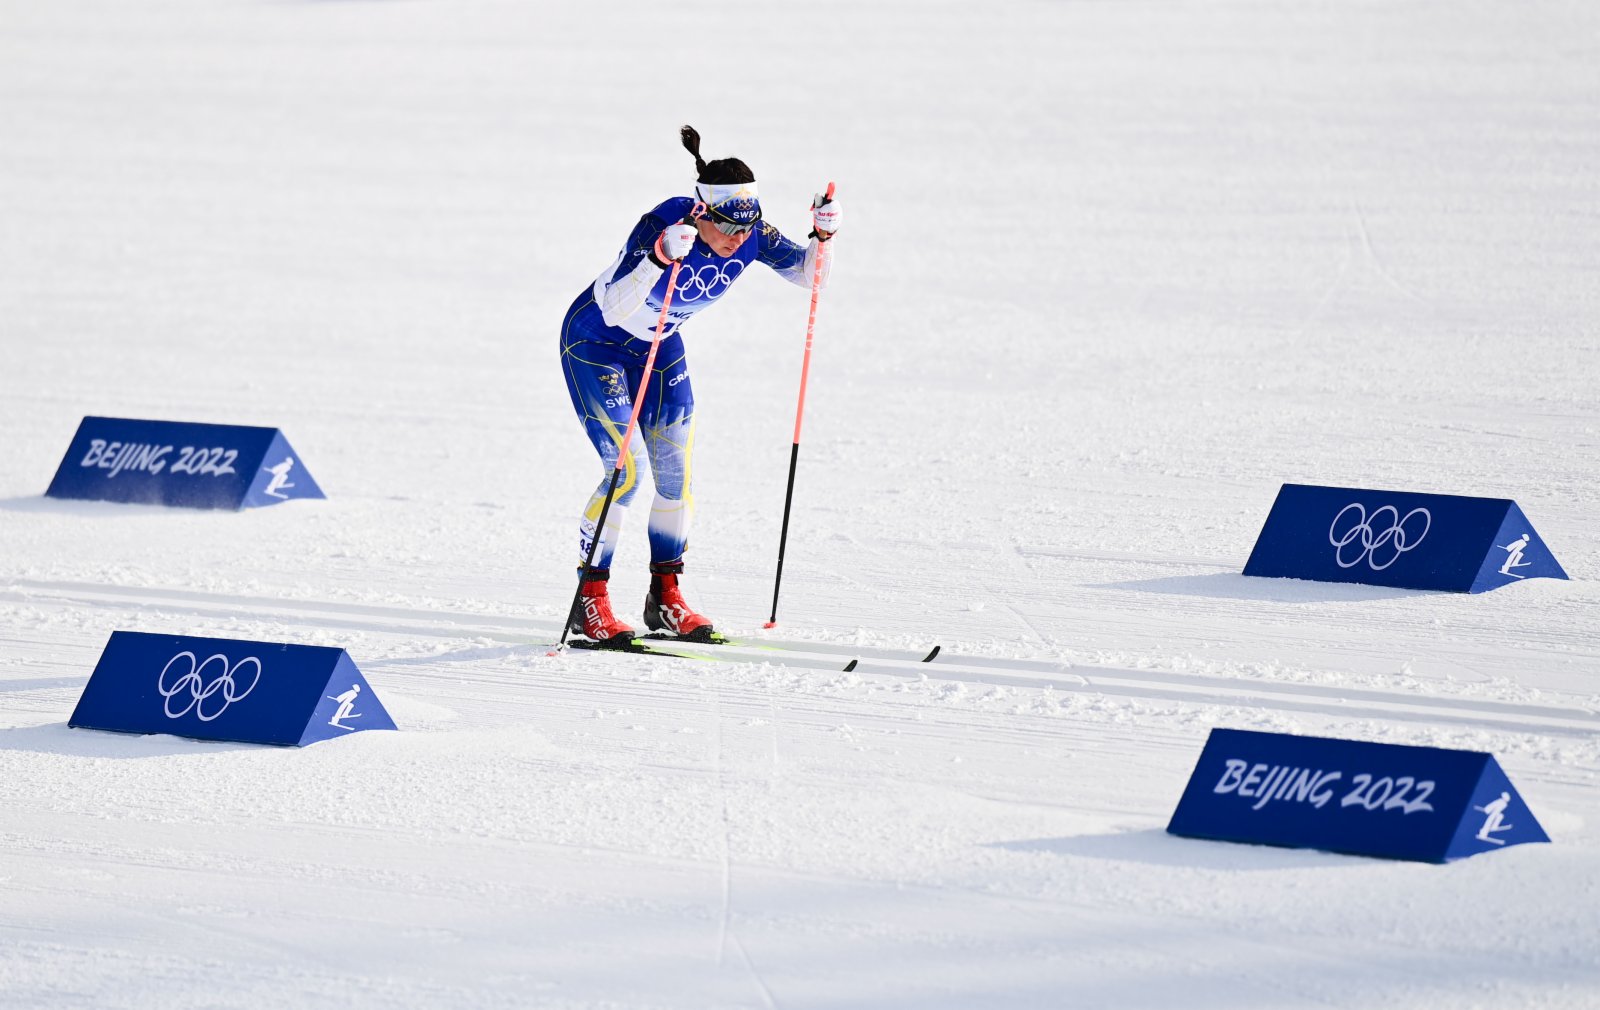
[[723, 170]]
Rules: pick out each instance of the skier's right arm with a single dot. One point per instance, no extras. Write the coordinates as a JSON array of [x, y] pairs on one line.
[[622, 291], [650, 248]]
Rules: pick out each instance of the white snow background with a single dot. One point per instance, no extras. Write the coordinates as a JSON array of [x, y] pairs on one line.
[[1111, 272]]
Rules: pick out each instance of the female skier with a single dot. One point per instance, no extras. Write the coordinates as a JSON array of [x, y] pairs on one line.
[[605, 340]]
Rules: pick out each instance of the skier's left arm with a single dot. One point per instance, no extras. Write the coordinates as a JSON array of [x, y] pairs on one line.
[[794, 262]]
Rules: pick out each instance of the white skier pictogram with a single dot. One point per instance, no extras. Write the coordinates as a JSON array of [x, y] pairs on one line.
[[1495, 819], [1514, 557], [280, 478], [347, 701]]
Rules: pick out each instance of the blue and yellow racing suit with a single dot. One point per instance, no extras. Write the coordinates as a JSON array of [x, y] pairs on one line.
[[605, 340]]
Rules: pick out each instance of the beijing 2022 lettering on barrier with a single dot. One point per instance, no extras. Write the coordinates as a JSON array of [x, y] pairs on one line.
[[1425, 804], [223, 689], [213, 466], [1399, 539]]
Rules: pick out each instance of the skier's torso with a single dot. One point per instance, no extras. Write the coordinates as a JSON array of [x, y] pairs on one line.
[[703, 278]]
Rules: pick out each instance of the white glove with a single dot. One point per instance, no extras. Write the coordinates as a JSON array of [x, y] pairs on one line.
[[675, 242], [825, 217]]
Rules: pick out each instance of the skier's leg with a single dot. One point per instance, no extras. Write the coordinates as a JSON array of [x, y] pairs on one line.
[[669, 439], [667, 428], [600, 381]]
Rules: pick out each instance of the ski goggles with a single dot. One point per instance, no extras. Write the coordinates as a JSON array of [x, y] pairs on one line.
[[731, 227]]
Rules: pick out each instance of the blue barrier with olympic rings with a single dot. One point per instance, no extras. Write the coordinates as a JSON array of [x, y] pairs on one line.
[[207, 466], [1400, 539], [224, 689], [1426, 804]]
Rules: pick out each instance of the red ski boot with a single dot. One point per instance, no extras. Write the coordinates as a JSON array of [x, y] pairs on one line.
[[594, 620], [666, 610]]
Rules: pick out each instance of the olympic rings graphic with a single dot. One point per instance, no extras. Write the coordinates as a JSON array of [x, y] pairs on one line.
[[707, 281], [193, 682], [1397, 538]]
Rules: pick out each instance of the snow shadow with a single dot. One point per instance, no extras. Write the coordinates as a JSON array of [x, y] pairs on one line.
[[1232, 586], [40, 505], [473, 654], [58, 738], [40, 684], [1155, 847]]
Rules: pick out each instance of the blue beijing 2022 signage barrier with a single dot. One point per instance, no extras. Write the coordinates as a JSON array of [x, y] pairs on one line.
[[221, 689], [1399, 539], [1420, 803], [210, 466]]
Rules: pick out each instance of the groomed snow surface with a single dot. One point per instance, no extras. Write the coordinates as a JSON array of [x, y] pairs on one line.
[[1111, 273]]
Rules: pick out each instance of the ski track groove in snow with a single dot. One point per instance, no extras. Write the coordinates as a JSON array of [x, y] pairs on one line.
[[1333, 701]]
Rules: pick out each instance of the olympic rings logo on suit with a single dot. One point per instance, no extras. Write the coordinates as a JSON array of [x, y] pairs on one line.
[[193, 692], [707, 281], [1364, 535]]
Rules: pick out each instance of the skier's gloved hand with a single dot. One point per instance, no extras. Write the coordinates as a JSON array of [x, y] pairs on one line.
[[675, 242], [825, 217]]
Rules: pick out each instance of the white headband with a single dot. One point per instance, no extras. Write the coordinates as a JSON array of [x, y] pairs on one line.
[[735, 201], [713, 193]]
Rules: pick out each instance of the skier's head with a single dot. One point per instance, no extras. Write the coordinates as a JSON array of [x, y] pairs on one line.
[[726, 186]]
